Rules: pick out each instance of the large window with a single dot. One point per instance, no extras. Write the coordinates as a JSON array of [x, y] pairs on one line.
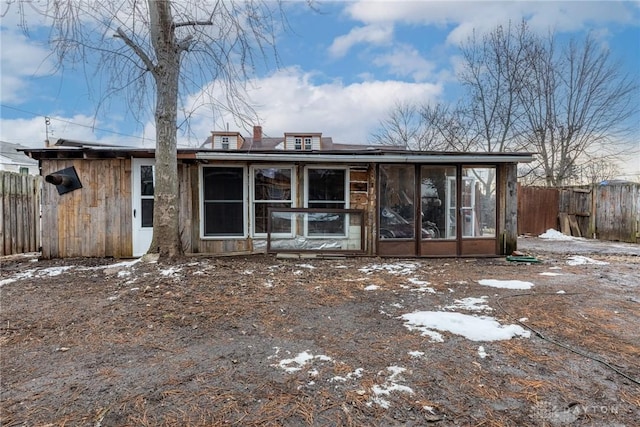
[[397, 211], [223, 201], [478, 205], [326, 189], [438, 200], [271, 189]]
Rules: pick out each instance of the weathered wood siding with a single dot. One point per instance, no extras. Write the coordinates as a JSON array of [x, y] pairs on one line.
[[20, 209], [537, 209], [617, 213], [93, 221], [606, 212]]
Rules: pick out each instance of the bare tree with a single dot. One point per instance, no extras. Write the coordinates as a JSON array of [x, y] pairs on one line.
[[403, 127], [576, 104], [492, 77], [153, 52]]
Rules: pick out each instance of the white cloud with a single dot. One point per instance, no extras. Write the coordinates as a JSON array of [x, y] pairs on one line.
[[20, 60], [289, 101], [372, 34], [464, 17], [406, 61]]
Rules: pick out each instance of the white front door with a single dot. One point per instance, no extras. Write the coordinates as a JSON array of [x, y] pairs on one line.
[[142, 203]]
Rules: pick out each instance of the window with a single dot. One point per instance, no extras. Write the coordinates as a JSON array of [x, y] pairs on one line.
[[223, 209], [397, 210], [24, 171], [271, 189], [438, 201], [301, 143], [146, 195], [478, 206], [326, 188], [225, 142]]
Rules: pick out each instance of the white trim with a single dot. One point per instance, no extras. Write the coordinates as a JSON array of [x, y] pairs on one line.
[[245, 222], [368, 158], [140, 236]]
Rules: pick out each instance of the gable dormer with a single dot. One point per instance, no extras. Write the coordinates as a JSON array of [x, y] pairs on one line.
[[226, 140], [301, 141]]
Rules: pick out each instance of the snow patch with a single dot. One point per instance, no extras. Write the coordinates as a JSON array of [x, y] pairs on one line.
[[506, 284], [397, 268], [474, 328], [298, 362], [371, 287], [470, 304], [552, 234], [583, 260]]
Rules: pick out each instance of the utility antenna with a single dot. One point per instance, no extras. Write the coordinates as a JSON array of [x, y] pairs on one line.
[[47, 123]]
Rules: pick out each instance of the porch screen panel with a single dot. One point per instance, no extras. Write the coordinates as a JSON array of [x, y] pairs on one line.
[[272, 189], [397, 190], [223, 191], [438, 202], [478, 202], [326, 188]]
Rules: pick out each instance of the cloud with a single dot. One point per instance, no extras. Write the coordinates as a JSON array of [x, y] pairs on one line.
[[463, 17], [21, 59], [406, 61], [371, 34], [290, 101]]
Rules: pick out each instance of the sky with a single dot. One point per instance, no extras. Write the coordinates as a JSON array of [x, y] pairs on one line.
[[342, 66]]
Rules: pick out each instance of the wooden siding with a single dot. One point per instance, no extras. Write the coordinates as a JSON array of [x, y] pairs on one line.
[[93, 221], [605, 212], [20, 208], [537, 209]]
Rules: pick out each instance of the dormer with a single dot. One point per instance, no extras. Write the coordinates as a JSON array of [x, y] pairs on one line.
[[226, 140], [301, 141]]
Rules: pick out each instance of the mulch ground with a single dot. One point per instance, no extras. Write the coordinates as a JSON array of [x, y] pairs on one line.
[[261, 341]]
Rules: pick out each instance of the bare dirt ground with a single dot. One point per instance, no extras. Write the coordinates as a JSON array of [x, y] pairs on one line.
[[261, 341]]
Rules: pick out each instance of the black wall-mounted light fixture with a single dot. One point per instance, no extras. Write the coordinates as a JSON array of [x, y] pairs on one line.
[[65, 180]]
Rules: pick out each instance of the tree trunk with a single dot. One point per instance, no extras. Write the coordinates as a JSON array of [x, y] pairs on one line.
[[166, 231]]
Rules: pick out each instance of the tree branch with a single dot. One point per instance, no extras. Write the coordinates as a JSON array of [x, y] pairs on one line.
[[137, 49]]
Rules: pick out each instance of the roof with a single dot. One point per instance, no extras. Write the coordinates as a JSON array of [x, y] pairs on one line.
[[13, 152], [342, 153]]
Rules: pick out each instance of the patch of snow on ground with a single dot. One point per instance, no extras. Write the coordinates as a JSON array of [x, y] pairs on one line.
[[481, 352], [371, 287], [552, 234], [309, 266], [391, 384], [549, 273], [470, 304], [506, 284], [583, 260], [298, 362], [169, 272], [397, 268], [474, 328], [417, 354], [422, 286]]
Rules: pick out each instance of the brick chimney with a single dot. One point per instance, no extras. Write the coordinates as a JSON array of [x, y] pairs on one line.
[[257, 134]]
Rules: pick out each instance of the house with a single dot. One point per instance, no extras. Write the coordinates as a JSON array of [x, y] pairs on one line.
[[299, 192], [13, 160]]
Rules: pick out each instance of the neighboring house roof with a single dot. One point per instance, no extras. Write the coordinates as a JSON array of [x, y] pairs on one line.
[[10, 155]]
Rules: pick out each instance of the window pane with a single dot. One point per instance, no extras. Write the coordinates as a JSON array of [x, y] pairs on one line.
[[478, 202], [147, 212], [325, 185], [438, 204], [280, 223], [223, 183], [146, 180], [272, 184], [326, 224], [223, 219], [397, 184], [223, 201]]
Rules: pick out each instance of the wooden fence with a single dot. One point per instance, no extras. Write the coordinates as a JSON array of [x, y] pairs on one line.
[[20, 208], [606, 212]]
